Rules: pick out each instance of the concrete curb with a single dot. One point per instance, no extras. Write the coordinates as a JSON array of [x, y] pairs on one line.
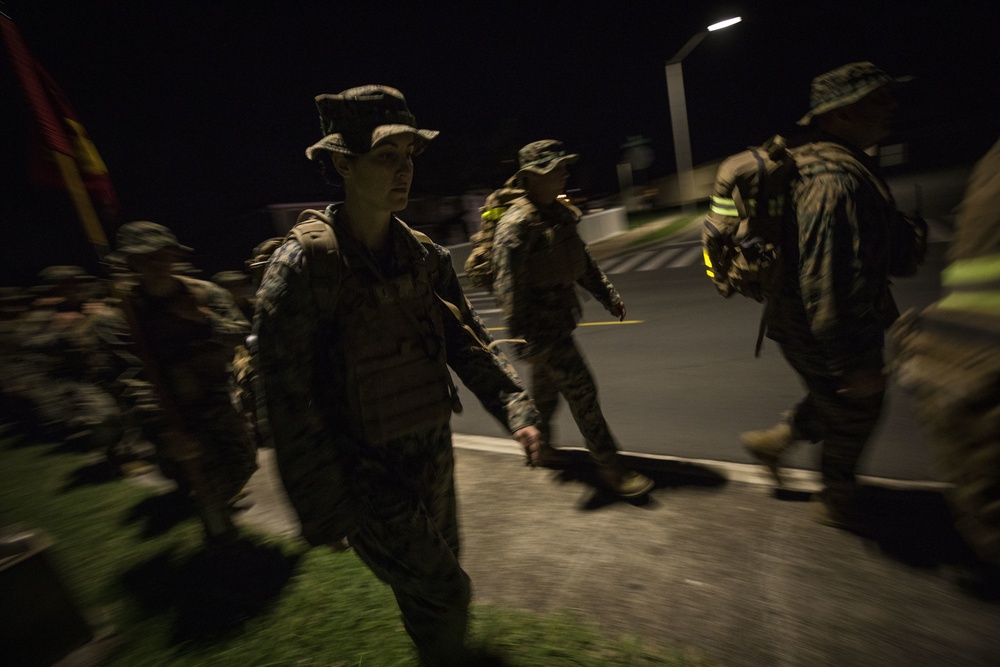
[[798, 480]]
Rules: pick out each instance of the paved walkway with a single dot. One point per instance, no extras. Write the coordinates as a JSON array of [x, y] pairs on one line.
[[712, 561]]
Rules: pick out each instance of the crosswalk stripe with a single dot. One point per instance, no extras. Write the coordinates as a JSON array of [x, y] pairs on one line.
[[661, 258], [688, 258], [632, 261]]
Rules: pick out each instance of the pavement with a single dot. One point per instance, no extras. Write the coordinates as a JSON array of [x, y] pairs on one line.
[[712, 561]]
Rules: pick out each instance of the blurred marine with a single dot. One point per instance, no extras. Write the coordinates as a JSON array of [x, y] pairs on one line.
[[185, 331], [948, 355]]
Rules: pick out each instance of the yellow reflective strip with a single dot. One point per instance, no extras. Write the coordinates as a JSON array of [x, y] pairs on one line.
[[976, 270], [978, 302], [493, 214], [723, 206], [704, 253]]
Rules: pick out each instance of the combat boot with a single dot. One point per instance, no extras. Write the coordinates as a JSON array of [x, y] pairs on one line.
[[626, 483], [768, 445]]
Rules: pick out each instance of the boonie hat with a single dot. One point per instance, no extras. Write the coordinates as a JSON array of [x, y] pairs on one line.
[[357, 119], [142, 237], [846, 85], [543, 156]]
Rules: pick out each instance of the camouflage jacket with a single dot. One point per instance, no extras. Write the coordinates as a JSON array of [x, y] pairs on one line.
[[835, 296], [194, 358], [541, 313], [304, 403]]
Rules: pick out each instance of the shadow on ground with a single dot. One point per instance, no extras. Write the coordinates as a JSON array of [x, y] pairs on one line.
[[573, 466], [915, 527], [213, 592], [91, 474], [159, 513]]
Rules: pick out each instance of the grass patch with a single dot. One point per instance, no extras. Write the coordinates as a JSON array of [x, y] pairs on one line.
[[135, 554], [655, 233]]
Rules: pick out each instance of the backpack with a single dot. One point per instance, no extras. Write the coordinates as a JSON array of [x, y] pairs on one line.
[[479, 263], [740, 239]]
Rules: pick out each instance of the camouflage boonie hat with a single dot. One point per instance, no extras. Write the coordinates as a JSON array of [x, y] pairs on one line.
[[846, 85], [357, 119], [143, 237], [543, 156], [54, 275]]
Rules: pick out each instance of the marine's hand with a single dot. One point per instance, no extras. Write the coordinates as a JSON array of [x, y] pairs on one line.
[[862, 383], [618, 310], [529, 437]]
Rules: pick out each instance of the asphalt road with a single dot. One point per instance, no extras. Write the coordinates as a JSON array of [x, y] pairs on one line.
[[679, 377]]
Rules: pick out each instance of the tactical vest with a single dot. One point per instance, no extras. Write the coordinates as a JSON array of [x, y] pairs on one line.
[[556, 254], [386, 344]]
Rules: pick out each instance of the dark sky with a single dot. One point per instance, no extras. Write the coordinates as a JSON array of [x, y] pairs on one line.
[[202, 110]]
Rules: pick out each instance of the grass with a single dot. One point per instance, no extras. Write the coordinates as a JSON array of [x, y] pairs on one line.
[[655, 233], [128, 552]]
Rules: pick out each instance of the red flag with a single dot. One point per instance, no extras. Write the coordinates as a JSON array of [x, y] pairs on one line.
[[62, 154]]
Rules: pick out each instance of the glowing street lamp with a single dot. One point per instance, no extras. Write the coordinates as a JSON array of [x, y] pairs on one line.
[[678, 113]]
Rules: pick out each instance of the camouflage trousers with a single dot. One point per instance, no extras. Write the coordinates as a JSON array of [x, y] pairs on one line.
[[228, 458], [407, 534], [954, 374], [562, 370], [843, 425]]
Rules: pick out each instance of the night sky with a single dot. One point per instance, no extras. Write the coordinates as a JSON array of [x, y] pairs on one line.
[[202, 110]]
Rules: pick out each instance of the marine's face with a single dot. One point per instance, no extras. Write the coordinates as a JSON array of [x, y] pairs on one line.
[[155, 264], [381, 178], [874, 114], [544, 188]]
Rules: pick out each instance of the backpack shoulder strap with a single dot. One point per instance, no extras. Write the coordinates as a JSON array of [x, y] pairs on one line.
[[314, 232], [451, 308]]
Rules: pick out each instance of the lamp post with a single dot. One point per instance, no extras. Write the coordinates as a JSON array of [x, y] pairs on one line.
[[678, 114]]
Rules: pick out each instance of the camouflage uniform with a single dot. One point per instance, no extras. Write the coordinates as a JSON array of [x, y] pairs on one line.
[[195, 363], [192, 362], [832, 308], [949, 357], [392, 497], [242, 287], [538, 258], [67, 381]]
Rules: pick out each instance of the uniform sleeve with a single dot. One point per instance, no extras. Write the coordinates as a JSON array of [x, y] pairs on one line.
[[226, 318], [488, 374], [595, 282], [837, 291], [510, 285], [312, 468]]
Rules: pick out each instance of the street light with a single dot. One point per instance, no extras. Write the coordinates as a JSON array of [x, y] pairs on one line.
[[678, 114]]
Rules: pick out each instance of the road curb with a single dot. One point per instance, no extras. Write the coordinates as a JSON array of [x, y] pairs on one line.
[[797, 480]]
